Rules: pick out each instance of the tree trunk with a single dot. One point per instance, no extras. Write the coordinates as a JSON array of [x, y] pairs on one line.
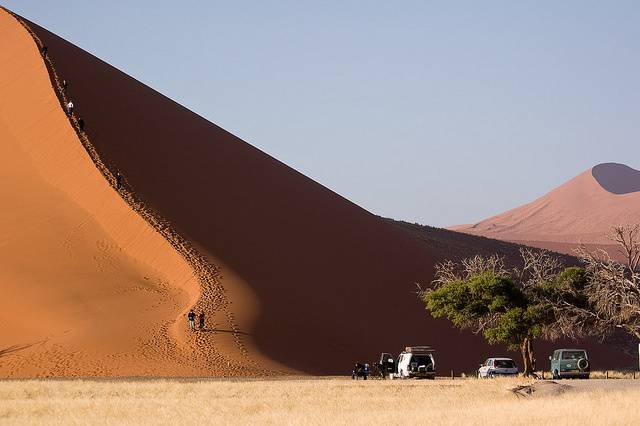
[[532, 358], [527, 357]]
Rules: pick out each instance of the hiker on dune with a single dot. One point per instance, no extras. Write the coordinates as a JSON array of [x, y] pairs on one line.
[[191, 316], [118, 181], [70, 108], [201, 320]]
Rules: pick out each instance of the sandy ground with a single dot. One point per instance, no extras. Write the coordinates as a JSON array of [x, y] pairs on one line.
[[327, 401]]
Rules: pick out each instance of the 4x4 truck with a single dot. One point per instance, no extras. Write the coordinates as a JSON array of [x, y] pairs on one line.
[[570, 364], [416, 362]]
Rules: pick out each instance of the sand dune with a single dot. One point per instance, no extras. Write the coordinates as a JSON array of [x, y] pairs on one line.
[[292, 276], [581, 211], [92, 288]]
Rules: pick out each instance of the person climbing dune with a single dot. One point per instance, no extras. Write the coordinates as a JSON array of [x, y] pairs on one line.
[[70, 108], [81, 123], [118, 181], [43, 51], [201, 320], [191, 316]]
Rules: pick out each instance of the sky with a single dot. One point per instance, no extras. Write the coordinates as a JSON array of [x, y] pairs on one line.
[[436, 112]]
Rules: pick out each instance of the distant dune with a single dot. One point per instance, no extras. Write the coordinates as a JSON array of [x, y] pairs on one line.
[[293, 278], [581, 211]]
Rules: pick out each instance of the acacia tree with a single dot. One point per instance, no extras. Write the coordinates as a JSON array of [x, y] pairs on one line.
[[605, 296], [506, 306]]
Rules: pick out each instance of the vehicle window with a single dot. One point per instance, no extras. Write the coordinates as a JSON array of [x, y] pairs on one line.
[[573, 354], [504, 363], [421, 359], [487, 362], [555, 355]]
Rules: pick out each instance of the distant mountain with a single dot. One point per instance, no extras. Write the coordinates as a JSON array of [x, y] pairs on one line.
[[581, 211]]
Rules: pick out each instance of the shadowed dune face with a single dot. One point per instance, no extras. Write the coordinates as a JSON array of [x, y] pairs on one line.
[[617, 178], [332, 283]]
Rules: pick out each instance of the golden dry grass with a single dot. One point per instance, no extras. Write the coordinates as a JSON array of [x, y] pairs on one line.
[[330, 401]]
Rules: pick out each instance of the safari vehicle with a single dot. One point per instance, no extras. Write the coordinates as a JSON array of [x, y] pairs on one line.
[[416, 362], [386, 366], [495, 367], [570, 363]]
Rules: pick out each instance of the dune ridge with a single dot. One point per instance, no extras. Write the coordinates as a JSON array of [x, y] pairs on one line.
[[153, 243], [580, 211]]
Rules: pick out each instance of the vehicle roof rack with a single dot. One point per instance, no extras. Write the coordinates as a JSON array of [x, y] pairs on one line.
[[419, 349]]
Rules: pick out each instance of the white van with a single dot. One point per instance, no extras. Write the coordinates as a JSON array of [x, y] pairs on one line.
[[418, 362]]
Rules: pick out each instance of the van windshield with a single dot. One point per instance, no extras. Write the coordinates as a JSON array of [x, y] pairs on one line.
[[504, 363], [573, 354], [421, 359]]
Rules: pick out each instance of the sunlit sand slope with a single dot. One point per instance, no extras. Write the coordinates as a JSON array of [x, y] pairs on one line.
[[582, 210], [88, 287]]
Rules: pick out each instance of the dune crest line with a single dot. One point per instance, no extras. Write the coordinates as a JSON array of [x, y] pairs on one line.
[[212, 297]]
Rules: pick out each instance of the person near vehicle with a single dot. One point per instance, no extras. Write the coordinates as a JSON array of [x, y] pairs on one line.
[[191, 316], [201, 320]]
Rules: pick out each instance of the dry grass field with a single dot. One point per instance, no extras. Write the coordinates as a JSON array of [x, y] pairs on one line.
[[318, 401]]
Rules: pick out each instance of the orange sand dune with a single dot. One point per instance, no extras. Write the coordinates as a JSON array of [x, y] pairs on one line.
[[581, 211], [292, 276], [90, 288]]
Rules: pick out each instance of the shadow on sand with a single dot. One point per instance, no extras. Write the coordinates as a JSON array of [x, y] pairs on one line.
[[218, 330], [14, 348]]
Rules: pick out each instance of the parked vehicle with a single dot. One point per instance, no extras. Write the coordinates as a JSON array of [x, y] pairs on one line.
[[416, 362], [495, 367], [360, 371], [386, 366], [570, 363]]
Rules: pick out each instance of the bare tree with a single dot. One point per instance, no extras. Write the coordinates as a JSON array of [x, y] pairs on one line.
[[613, 289]]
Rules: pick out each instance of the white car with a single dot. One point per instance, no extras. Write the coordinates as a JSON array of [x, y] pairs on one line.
[[417, 362], [494, 367]]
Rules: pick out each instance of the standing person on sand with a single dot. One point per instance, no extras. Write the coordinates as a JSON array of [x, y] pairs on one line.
[[191, 316], [70, 108], [201, 320], [118, 181]]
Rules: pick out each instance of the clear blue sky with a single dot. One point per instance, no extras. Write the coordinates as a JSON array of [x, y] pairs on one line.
[[436, 112]]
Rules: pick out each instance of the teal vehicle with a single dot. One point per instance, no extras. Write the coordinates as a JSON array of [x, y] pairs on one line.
[[570, 364]]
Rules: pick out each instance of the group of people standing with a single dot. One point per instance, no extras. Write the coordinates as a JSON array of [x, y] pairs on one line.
[[191, 316]]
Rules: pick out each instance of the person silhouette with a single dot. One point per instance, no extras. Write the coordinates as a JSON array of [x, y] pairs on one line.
[[191, 316], [201, 320]]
